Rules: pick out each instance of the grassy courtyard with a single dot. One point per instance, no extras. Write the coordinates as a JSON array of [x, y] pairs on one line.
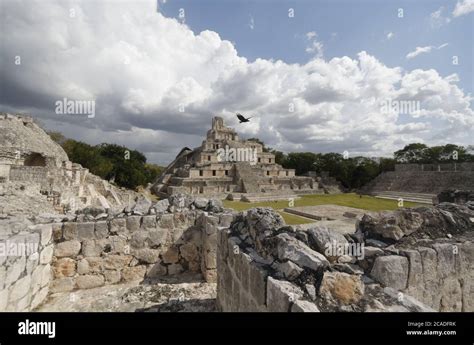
[[349, 199]]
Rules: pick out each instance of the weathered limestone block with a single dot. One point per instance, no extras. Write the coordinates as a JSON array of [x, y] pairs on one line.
[[226, 219], [116, 262], [161, 206], [209, 251], [85, 231], [281, 295], [200, 203], [392, 226], [136, 273], [32, 262], [147, 255], [391, 271], [166, 221], [302, 306], [23, 305], [215, 206], [116, 245], [63, 285], [180, 219], [3, 299], [342, 288], [3, 275], [57, 232], [15, 270], [242, 270], [430, 277], [210, 224], [415, 284], [112, 277], [133, 223], [466, 258], [65, 267], [96, 264], [290, 248], [46, 254], [289, 269], [446, 259], [177, 235], [170, 256], [138, 239], [258, 283], [91, 248], [101, 229], [39, 297], [451, 295], [321, 238], [20, 288], [70, 231], [83, 266], [370, 251], [46, 276], [148, 222], [67, 249], [46, 232], [89, 281], [157, 236], [142, 205], [190, 253], [118, 226]]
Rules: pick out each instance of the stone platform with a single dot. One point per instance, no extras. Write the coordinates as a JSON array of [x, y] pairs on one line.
[[338, 218]]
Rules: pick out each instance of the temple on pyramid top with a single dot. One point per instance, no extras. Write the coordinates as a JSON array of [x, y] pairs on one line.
[[225, 166]]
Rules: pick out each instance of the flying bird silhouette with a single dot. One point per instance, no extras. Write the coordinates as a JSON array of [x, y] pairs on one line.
[[242, 118]]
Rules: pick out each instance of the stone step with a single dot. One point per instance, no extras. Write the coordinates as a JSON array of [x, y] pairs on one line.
[[412, 199]]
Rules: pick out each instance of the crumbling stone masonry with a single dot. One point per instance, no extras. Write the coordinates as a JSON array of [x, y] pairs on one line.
[[167, 238], [411, 260], [94, 248], [25, 267]]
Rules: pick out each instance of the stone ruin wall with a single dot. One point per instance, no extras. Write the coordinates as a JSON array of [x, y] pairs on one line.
[[136, 247], [93, 249], [25, 278], [415, 181], [414, 259], [465, 166], [264, 265]]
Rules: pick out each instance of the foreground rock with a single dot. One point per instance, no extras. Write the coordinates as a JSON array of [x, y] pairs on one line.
[[400, 261]]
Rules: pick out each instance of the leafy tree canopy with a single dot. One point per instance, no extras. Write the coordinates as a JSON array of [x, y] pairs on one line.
[[125, 167]]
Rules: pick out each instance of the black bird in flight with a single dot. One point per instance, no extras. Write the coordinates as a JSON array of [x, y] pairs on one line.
[[242, 118]]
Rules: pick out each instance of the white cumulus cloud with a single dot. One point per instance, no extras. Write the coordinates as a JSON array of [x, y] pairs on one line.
[[157, 85], [463, 7]]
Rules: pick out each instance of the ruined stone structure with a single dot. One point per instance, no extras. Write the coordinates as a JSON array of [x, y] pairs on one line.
[[421, 182], [418, 259], [225, 165], [29, 158], [92, 249]]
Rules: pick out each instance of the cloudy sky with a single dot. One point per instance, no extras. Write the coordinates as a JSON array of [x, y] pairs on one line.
[[315, 75]]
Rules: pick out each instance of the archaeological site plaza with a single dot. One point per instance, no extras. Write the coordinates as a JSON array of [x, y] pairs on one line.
[[71, 241]]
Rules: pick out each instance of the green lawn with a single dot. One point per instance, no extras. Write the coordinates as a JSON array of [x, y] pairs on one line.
[[349, 199]]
